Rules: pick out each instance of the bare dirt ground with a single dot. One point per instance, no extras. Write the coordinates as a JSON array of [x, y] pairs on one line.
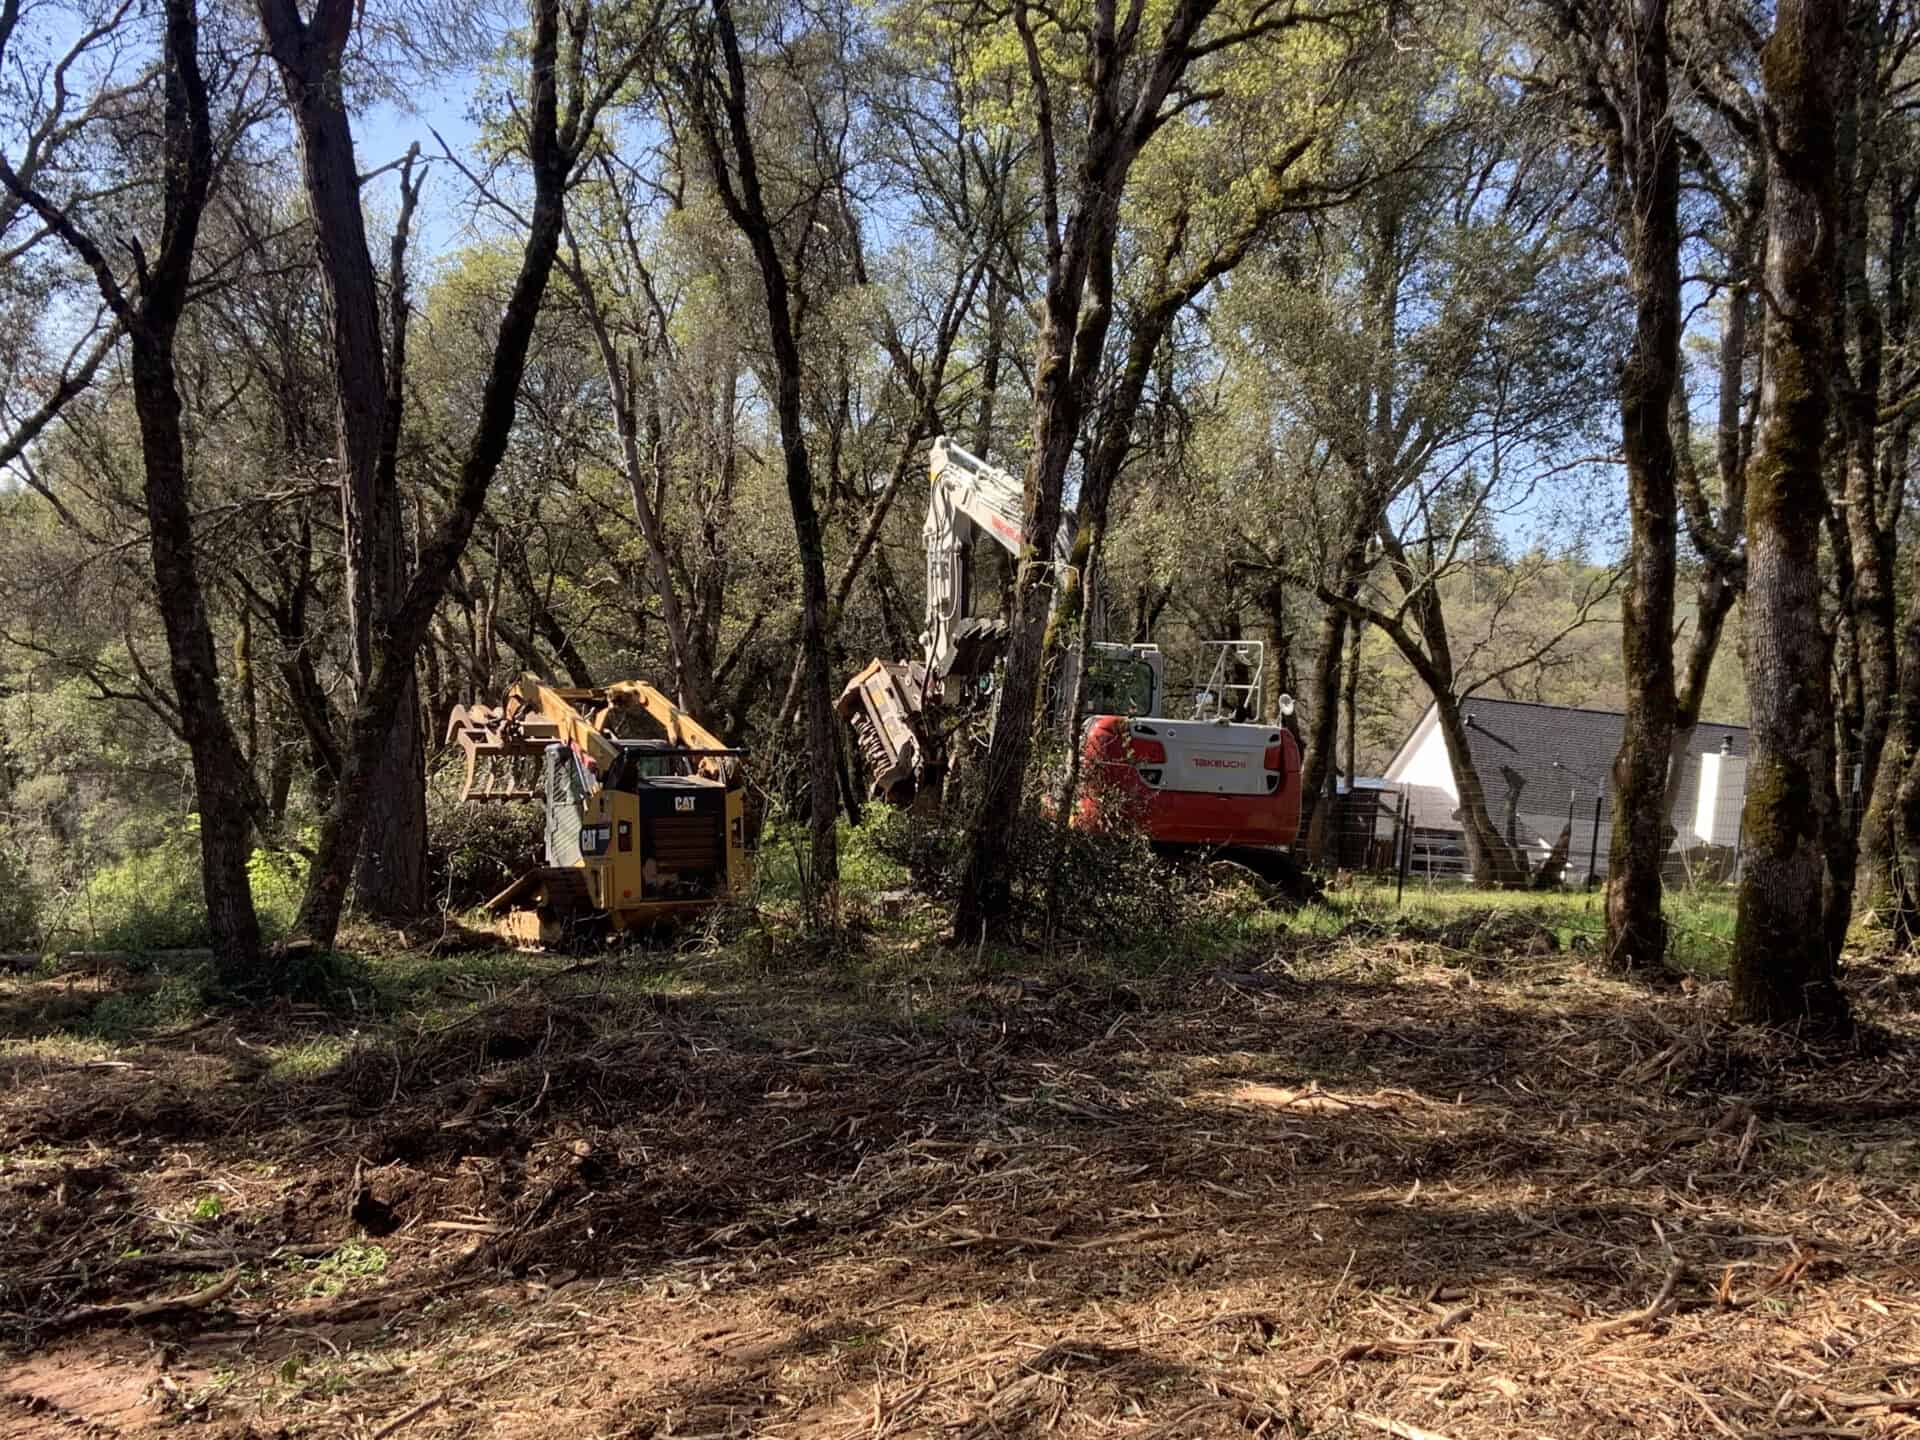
[[1417, 1186]]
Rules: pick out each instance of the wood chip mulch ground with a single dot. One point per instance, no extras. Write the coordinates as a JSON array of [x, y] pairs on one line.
[[1373, 1186]]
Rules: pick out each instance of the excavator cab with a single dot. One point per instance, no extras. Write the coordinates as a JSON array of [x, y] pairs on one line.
[[1123, 680]]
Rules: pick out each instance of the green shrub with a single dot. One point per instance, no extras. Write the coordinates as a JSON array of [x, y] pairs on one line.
[[177, 999], [21, 902], [154, 899], [477, 849], [1064, 881], [151, 900], [864, 865], [278, 878]]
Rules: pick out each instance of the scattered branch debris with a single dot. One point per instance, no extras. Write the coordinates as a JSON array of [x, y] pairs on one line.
[[1373, 1199]]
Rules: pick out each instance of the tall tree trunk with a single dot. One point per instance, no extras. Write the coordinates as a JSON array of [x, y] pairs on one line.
[[1644, 161], [1890, 835], [391, 880], [1494, 862], [746, 206], [1121, 106], [223, 786], [553, 145], [1722, 568], [1867, 651], [1323, 713], [985, 904], [221, 791], [1784, 968], [1350, 704], [1870, 522]]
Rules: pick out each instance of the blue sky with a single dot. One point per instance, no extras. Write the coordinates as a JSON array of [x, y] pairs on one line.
[[381, 136]]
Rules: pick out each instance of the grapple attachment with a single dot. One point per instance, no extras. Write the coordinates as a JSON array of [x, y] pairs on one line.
[[492, 737]]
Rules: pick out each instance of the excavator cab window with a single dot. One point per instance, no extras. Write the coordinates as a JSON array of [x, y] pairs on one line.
[[1119, 687]]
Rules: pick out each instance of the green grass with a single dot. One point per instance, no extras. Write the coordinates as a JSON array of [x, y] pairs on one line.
[[354, 1260], [1700, 921], [306, 1059], [172, 994], [781, 861], [884, 957]]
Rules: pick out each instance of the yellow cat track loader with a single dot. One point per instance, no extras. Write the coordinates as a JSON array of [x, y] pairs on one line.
[[637, 830]]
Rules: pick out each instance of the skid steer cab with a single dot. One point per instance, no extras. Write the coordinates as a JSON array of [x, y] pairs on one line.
[[639, 830]]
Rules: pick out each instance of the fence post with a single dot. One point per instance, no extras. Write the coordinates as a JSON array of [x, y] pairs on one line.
[[1593, 851], [1403, 849]]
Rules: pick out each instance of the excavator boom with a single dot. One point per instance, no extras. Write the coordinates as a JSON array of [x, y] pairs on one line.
[[887, 702]]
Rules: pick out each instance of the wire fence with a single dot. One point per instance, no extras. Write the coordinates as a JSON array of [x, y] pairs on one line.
[[1414, 831]]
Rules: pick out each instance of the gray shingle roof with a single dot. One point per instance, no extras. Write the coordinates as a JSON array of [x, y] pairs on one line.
[[1549, 752]]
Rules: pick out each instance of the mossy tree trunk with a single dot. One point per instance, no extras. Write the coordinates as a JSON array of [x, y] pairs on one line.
[[728, 139], [1890, 828], [310, 55], [1869, 515], [562, 105], [1784, 968], [1323, 710], [1722, 573], [1115, 112], [1643, 165]]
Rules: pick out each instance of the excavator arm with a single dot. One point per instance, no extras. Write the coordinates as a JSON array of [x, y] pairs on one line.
[[969, 498], [887, 702]]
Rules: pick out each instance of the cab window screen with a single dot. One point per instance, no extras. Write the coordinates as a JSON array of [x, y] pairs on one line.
[[1119, 687]]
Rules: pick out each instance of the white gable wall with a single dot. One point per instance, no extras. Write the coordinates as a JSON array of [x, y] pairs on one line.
[[1423, 759]]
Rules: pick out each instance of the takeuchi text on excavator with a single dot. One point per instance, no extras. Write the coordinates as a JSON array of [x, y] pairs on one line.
[[638, 830], [1216, 777]]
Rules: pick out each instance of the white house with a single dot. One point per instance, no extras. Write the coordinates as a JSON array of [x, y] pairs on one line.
[[1541, 766]]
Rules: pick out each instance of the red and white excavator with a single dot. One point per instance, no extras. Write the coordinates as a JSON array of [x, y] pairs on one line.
[[1216, 778]]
